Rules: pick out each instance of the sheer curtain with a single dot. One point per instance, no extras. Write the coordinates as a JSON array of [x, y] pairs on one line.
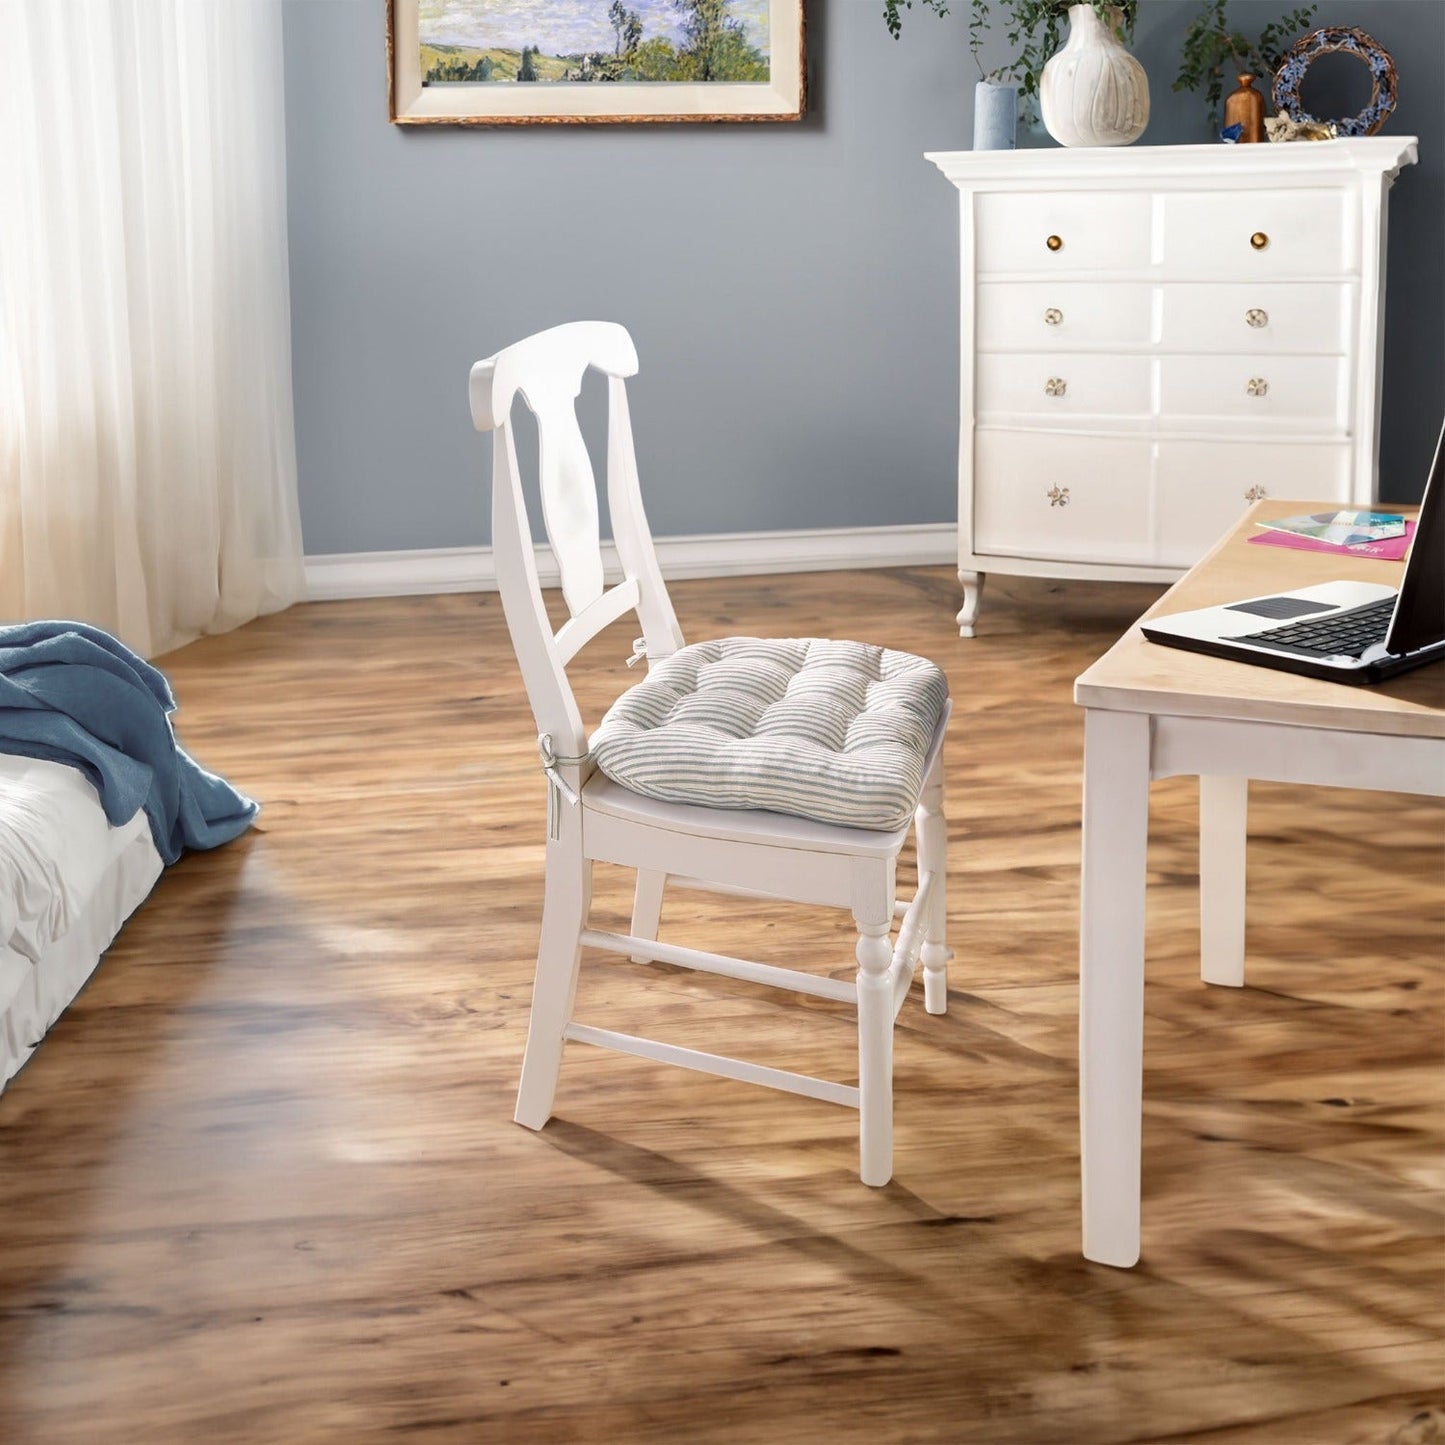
[[147, 446]]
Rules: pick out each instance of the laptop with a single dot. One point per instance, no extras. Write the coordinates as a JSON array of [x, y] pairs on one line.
[[1341, 631]]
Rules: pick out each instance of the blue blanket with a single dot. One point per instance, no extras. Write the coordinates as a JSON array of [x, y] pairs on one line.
[[72, 694]]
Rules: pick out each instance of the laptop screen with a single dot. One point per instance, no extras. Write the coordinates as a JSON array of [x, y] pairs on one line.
[[1419, 617]]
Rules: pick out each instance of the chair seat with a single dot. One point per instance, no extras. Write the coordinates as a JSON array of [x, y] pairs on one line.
[[838, 732]]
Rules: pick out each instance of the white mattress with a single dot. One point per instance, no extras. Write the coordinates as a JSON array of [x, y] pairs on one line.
[[68, 881]]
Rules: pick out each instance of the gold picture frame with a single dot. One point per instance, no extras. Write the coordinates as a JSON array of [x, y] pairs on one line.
[[445, 65]]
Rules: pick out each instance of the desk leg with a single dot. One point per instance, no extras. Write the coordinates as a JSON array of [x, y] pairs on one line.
[[1111, 979], [1223, 815]]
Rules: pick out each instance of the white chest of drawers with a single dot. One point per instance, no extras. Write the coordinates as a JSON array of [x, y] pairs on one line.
[[1153, 337]]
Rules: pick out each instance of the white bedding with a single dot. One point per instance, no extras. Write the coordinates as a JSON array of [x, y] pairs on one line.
[[68, 881]]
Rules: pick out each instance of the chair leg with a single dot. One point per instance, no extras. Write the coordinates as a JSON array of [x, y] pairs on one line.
[[566, 901], [647, 905], [932, 831], [875, 1053]]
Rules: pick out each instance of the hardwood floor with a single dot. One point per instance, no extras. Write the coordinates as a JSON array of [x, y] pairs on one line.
[[261, 1182]]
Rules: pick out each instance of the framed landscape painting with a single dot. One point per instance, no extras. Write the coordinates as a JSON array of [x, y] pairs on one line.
[[518, 62]]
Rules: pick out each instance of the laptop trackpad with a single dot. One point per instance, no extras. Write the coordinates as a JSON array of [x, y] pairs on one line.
[[1281, 607]]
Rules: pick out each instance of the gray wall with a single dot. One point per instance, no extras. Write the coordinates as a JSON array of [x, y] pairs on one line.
[[792, 289]]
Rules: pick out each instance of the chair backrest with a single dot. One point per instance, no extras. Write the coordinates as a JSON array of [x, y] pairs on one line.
[[547, 370]]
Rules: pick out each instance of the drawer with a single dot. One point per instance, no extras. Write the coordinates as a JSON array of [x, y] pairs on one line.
[[1256, 319], [1202, 488], [1304, 233], [1060, 388], [1095, 231], [1068, 498], [1061, 315], [1249, 389]]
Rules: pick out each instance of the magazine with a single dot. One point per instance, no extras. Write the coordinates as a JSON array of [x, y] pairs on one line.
[[1341, 529], [1392, 549]]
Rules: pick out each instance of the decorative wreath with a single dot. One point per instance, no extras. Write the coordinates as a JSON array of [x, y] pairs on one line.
[[1326, 41]]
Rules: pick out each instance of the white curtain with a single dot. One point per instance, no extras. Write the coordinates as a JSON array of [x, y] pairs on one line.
[[147, 446]]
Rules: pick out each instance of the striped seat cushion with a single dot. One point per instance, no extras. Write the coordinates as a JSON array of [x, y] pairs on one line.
[[835, 731]]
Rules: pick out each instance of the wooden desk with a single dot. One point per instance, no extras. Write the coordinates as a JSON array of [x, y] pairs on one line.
[[1155, 712]]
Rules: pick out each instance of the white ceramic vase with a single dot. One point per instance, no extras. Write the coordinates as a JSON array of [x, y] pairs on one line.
[[1093, 92]]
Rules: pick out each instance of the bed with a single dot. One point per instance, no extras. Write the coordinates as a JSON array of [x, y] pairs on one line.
[[96, 796], [68, 881]]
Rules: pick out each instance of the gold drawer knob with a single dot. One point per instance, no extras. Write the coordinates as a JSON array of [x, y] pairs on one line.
[[1055, 386], [1053, 316], [1255, 494], [1256, 318], [1257, 386], [1058, 496], [1055, 243], [1259, 240]]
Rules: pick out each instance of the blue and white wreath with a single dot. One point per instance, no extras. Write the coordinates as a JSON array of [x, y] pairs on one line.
[[1329, 40]]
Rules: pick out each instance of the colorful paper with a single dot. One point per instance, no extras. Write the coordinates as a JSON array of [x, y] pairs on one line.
[[1343, 529], [1392, 549]]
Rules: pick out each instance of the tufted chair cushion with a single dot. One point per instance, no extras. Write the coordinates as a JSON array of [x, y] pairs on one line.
[[835, 731]]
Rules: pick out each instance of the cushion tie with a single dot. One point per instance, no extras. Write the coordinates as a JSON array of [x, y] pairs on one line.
[[556, 784]]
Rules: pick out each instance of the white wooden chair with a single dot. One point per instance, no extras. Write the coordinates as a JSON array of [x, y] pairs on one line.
[[743, 851]]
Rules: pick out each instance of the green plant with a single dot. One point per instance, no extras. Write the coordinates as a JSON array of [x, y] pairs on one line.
[[1210, 45], [1034, 31]]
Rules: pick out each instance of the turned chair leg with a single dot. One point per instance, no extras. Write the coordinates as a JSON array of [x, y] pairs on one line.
[[875, 1053], [565, 905], [647, 905], [932, 830]]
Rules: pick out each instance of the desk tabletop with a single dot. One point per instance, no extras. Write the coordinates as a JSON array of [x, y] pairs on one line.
[[1136, 675]]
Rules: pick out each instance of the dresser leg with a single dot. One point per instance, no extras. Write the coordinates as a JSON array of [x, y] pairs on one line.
[[972, 595]]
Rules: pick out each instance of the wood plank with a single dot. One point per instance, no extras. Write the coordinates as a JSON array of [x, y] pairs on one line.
[[261, 1182]]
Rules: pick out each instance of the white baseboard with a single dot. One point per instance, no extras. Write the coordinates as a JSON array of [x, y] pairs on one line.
[[331, 576]]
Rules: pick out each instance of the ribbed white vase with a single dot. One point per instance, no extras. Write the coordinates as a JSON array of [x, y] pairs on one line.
[[1093, 92]]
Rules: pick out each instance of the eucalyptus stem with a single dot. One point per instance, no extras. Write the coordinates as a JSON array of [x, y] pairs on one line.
[[1210, 42]]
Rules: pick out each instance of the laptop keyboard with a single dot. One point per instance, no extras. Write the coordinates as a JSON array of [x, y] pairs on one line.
[[1345, 634]]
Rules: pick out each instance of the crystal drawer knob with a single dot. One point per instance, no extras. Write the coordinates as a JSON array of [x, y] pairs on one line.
[[1259, 240], [1255, 494], [1058, 496], [1055, 243], [1053, 316], [1256, 318], [1257, 386], [1055, 386]]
